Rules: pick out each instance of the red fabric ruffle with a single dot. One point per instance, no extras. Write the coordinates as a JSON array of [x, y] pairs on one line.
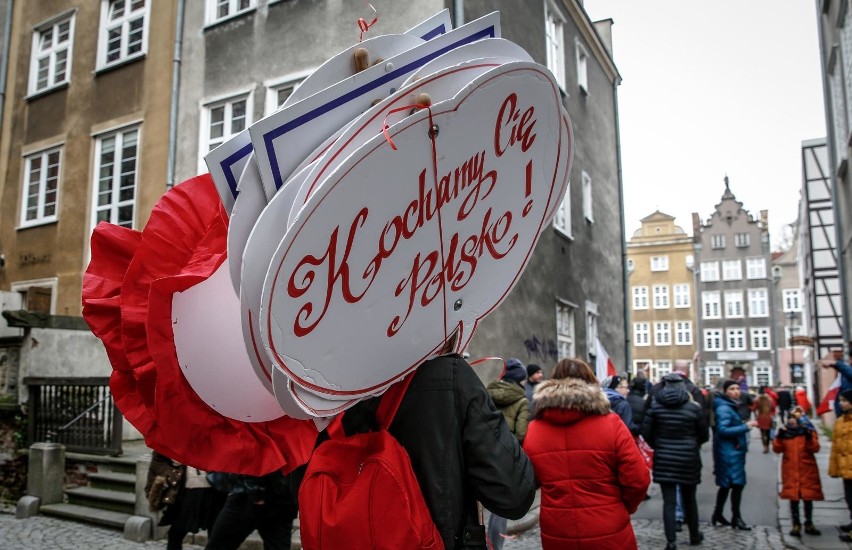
[[127, 298]]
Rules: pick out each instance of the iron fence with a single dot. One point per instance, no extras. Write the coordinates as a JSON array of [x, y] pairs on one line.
[[77, 412]]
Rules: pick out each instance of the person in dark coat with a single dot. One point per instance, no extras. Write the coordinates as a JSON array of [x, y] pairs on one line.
[[461, 451], [534, 376], [636, 398], [785, 401], [615, 389], [730, 445], [675, 426]]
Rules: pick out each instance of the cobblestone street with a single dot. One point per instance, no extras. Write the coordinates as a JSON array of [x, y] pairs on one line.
[[40, 532]]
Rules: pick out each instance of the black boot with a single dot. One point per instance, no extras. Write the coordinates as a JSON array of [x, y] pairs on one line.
[[697, 539], [720, 519], [671, 546], [739, 524]]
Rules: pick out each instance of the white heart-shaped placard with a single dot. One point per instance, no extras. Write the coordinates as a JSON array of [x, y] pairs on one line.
[[390, 256]]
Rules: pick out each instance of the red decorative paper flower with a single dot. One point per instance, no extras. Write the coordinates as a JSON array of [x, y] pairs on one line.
[[127, 301]]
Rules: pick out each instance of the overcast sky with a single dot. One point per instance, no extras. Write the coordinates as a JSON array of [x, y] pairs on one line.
[[711, 88]]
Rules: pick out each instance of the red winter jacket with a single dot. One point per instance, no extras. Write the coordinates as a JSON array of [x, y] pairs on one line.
[[591, 473]]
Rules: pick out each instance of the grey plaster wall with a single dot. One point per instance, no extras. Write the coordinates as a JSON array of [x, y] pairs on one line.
[[276, 40], [62, 353]]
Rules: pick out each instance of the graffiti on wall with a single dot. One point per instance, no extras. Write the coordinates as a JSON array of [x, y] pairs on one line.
[[541, 348]]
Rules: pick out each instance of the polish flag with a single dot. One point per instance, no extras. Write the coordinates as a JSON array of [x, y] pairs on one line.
[[603, 364], [827, 402]]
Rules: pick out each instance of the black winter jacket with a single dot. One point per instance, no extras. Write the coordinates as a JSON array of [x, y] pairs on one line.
[[461, 451], [637, 403], [675, 426]]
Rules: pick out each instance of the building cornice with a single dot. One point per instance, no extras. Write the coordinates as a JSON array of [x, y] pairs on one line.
[[592, 38]]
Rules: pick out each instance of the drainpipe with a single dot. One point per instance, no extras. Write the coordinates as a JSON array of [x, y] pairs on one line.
[[838, 233], [458, 12], [173, 107], [4, 60], [624, 275]]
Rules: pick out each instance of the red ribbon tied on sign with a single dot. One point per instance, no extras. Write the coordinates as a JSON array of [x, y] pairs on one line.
[[364, 26]]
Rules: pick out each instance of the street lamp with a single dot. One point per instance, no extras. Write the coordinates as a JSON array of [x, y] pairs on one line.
[[777, 271]]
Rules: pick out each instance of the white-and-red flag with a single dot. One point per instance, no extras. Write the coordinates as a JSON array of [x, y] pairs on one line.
[[603, 364], [827, 402]]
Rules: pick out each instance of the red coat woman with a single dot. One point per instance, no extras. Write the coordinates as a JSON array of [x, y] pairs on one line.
[[591, 473]]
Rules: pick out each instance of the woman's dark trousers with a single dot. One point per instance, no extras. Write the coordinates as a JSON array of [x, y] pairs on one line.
[[690, 509]]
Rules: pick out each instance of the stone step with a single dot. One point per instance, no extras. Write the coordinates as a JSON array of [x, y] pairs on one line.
[[116, 501], [118, 464], [114, 481], [85, 514]]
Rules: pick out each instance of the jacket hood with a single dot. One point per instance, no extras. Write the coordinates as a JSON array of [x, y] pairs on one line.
[[722, 400], [673, 395], [569, 395], [613, 395], [504, 393]]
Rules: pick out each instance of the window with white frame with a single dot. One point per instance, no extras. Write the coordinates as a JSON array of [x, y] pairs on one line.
[[710, 304], [717, 241], [123, 31], [662, 333], [742, 240], [712, 375], [218, 10], [277, 94], [709, 272], [758, 300], [116, 176], [587, 197], [565, 330], [759, 338], [755, 268], [683, 333], [222, 120], [640, 297], [734, 304], [732, 270], [555, 37], [582, 68], [641, 334], [659, 263], [792, 329], [591, 327], [681, 296], [735, 338], [662, 368], [791, 299], [763, 375], [562, 219], [41, 187], [661, 296], [713, 339], [50, 62], [37, 295]]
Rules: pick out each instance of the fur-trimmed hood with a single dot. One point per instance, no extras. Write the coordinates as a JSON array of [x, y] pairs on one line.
[[555, 398]]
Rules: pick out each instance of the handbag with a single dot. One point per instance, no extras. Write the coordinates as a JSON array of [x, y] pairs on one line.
[[646, 451]]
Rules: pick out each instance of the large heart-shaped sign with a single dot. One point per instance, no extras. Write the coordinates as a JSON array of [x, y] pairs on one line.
[[398, 249]]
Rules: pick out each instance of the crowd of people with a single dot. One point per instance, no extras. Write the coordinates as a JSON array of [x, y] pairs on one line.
[[592, 447]]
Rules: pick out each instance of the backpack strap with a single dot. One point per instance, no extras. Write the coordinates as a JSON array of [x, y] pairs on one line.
[[391, 400]]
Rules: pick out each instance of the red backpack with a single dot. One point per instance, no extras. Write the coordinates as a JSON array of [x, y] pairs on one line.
[[360, 491]]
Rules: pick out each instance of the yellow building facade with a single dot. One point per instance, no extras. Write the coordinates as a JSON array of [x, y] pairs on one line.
[[660, 262]]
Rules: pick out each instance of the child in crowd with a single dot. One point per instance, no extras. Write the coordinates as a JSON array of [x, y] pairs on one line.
[[840, 463], [798, 441]]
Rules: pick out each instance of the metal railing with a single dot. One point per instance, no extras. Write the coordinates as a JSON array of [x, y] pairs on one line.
[[77, 412]]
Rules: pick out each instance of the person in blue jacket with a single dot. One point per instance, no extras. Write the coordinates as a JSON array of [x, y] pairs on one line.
[[730, 445], [845, 371], [615, 388]]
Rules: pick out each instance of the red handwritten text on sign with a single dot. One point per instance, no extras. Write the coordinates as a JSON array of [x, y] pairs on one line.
[[456, 193]]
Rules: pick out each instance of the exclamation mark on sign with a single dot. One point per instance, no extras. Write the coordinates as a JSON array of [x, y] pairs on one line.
[[528, 189]]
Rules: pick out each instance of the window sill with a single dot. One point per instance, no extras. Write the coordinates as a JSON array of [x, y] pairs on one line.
[[218, 22], [37, 223], [46, 91], [564, 233], [116, 64]]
